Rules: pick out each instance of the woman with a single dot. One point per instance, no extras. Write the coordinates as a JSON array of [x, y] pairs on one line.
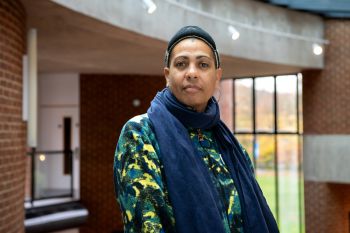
[[178, 168]]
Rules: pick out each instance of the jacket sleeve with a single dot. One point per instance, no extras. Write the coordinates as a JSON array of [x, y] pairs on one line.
[[138, 182]]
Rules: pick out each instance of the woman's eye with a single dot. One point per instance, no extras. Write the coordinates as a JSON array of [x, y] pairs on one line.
[[204, 65], [180, 64]]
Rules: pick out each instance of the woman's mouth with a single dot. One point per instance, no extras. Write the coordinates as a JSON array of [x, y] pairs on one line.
[[192, 88]]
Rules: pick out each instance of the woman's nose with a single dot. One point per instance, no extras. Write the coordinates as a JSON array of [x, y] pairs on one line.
[[192, 71]]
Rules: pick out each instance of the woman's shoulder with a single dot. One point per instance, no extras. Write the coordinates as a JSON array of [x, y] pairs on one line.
[[138, 137], [139, 125]]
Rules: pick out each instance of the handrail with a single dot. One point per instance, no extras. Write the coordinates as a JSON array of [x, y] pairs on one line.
[[33, 152]]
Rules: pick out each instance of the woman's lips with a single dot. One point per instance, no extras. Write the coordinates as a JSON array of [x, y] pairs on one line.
[[192, 88]]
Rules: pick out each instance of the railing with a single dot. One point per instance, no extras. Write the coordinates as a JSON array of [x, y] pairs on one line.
[[52, 181], [46, 167]]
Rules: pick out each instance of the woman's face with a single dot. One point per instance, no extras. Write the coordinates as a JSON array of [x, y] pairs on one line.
[[192, 76]]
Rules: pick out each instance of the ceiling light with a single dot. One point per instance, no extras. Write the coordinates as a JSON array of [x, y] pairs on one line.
[[234, 33], [150, 6], [317, 49]]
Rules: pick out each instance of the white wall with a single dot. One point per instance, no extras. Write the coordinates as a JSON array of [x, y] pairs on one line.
[[58, 98]]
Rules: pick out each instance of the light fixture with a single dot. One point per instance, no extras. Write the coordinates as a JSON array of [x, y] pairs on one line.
[[245, 26], [42, 157], [150, 6], [234, 33], [136, 103], [317, 49]]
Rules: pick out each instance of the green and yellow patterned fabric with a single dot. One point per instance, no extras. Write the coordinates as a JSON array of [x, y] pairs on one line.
[[141, 188]]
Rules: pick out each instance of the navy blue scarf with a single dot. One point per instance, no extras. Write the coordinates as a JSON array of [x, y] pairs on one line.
[[194, 198]]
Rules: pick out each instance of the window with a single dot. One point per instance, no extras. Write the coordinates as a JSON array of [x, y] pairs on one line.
[[267, 121]]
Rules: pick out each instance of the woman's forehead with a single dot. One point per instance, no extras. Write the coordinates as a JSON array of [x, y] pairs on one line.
[[192, 46]]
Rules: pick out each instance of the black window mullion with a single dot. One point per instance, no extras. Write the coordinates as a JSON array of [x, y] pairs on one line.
[[297, 111], [254, 107], [275, 102], [234, 105], [275, 123], [254, 123]]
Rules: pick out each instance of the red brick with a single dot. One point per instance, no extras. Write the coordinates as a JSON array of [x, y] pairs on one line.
[[12, 129], [326, 93], [106, 104], [327, 111]]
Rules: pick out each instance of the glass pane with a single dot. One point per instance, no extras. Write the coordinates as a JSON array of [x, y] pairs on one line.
[[287, 103], [264, 88], [265, 168], [246, 141], [243, 105], [288, 183], [300, 88], [28, 179], [50, 177], [225, 100], [301, 185]]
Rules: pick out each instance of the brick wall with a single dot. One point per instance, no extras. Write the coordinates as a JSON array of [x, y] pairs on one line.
[[105, 105], [12, 128], [326, 101], [326, 93]]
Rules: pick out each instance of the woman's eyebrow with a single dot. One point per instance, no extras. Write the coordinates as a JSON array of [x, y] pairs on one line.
[[181, 57], [187, 57], [202, 56]]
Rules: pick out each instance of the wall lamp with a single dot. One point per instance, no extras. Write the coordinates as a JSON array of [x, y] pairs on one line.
[[150, 6], [234, 33], [317, 49]]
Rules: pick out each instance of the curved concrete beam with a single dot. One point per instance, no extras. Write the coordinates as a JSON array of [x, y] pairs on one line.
[[268, 33]]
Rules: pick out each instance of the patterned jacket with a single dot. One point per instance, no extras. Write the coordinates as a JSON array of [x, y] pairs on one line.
[[140, 185]]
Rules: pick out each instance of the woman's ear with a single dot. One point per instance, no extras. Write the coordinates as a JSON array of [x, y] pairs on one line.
[[166, 75], [218, 76]]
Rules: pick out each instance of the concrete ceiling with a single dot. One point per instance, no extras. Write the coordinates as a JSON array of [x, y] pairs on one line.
[[72, 42]]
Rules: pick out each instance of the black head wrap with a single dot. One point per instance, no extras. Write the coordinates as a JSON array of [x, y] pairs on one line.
[[192, 32]]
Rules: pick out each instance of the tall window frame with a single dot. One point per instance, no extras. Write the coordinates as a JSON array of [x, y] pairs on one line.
[[275, 133]]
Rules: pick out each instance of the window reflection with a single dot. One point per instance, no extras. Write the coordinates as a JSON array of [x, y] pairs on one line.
[[246, 141], [243, 104], [288, 182], [300, 103], [265, 168], [264, 89], [225, 99], [287, 103], [268, 117]]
